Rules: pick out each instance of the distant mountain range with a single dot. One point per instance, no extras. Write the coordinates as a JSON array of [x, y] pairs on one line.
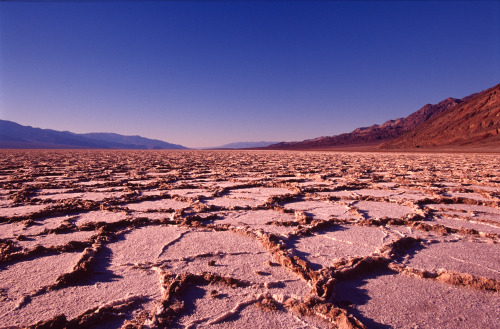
[[243, 145], [473, 121], [14, 135]]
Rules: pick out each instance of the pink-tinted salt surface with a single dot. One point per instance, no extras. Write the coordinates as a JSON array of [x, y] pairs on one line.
[[247, 239]]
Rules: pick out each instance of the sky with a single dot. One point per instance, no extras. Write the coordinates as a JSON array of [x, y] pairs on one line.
[[207, 73]]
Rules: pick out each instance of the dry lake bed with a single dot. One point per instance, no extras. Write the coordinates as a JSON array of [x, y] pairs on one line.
[[248, 239]]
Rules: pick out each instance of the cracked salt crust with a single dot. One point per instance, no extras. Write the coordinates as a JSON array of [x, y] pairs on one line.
[[337, 194], [21, 210], [374, 193], [206, 304], [143, 244], [405, 231], [190, 192], [157, 204], [94, 196], [468, 224], [54, 239], [392, 300], [474, 212], [22, 278], [259, 219], [99, 196], [115, 283], [233, 255], [320, 209], [324, 247], [140, 182], [157, 215], [486, 188], [382, 209], [407, 194], [98, 216], [257, 193], [94, 183], [227, 202], [476, 258], [263, 219], [61, 196], [52, 191], [47, 223], [473, 196], [466, 207], [196, 242]]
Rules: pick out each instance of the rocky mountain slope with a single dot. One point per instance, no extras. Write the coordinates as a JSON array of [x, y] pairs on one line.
[[473, 122], [476, 116]]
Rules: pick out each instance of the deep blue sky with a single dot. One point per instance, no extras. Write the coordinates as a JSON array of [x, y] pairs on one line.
[[203, 73]]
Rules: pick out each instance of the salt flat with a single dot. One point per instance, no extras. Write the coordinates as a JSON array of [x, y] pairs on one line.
[[229, 239]]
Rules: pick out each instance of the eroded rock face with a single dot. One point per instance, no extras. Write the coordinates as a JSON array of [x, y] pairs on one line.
[[224, 239]]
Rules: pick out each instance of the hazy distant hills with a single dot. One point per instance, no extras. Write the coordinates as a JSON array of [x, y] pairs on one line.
[[244, 145], [468, 121], [473, 122], [139, 142], [14, 135]]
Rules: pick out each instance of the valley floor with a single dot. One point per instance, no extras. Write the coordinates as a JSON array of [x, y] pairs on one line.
[[247, 239]]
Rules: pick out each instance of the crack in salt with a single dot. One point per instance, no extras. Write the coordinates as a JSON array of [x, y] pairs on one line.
[[475, 264], [175, 240], [235, 310]]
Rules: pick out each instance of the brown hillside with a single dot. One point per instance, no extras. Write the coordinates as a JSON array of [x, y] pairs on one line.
[[375, 134], [473, 122]]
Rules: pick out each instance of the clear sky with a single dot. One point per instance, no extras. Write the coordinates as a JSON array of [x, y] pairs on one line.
[[206, 73]]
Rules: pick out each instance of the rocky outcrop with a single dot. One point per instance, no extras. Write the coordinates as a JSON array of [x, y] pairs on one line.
[[473, 122]]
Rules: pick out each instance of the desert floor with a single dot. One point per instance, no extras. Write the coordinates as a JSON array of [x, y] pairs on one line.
[[249, 239]]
